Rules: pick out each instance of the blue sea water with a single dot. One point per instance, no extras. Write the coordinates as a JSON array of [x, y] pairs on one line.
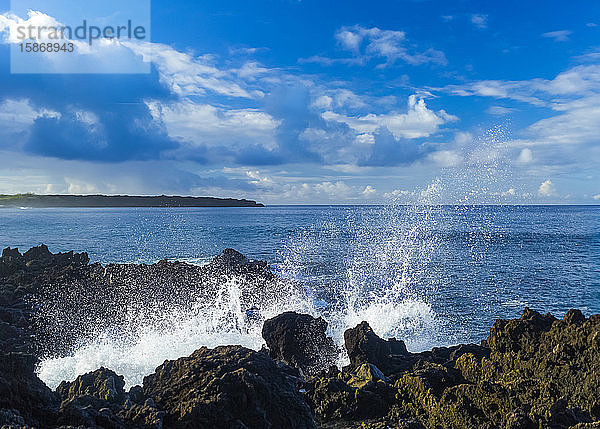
[[431, 275]]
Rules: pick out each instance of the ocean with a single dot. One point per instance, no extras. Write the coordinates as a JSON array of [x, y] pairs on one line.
[[430, 275]]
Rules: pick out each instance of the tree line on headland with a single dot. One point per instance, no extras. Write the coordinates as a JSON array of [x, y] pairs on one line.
[[41, 201]]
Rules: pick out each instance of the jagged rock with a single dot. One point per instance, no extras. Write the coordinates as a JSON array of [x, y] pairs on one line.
[[364, 346], [509, 335], [333, 399], [70, 295], [103, 384], [532, 372], [231, 261], [97, 399], [300, 340], [11, 419], [23, 391], [366, 374], [227, 387]]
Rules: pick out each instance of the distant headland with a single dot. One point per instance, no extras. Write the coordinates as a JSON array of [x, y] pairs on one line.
[[97, 201]]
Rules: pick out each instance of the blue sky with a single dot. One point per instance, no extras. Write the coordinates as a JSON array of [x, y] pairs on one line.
[[321, 102]]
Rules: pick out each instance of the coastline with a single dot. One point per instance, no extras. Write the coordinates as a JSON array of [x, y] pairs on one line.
[[536, 371], [119, 201]]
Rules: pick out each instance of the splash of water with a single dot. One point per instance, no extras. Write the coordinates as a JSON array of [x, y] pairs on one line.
[[152, 334], [385, 256], [381, 251]]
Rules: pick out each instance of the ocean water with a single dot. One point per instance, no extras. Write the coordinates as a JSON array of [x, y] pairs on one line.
[[430, 275]]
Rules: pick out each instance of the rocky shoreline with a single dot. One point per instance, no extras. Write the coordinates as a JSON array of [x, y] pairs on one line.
[[532, 372]]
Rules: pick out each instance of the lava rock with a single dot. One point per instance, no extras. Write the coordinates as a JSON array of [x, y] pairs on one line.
[[300, 340], [102, 384], [231, 261], [228, 387], [22, 391], [97, 399], [364, 346]]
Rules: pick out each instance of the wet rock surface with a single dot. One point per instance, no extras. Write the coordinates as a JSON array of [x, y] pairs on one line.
[[227, 387], [301, 341], [533, 372]]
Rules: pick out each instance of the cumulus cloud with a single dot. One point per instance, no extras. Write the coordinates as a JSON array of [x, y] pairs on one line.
[[369, 191], [418, 121], [526, 156], [547, 189], [446, 158], [366, 44], [188, 75], [204, 124]]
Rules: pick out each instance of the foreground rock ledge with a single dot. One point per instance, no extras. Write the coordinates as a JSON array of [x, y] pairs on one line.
[[532, 372]]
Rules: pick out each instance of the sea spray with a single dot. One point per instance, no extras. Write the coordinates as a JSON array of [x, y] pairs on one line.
[[151, 336], [385, 252], [378, 264]]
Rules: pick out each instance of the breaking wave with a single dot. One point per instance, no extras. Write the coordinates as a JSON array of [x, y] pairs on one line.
[[381, 252]]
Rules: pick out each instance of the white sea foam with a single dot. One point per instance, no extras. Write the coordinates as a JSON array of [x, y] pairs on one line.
[[383, 255], [378, 269], [154, 335]]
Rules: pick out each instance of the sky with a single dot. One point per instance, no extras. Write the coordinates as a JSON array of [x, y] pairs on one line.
[[318, 102]]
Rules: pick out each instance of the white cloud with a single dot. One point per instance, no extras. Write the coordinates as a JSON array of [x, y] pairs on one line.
[[547, 189], [388, 44], [351, 40], [419, 121], [212, 126], [251, 70], [16, 116], [337, 189], [580, 80], [499, 110], [526, 156], [596, 197], [323, 102], [397, 193], [570, 134], [76, 186], [577, 123], [446, 158], [479, 20], [369, 191], [558, 36], [187, 75], [11, 23], [256, 178]]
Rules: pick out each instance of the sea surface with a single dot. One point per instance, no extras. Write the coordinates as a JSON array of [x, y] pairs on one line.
[[430, 275]]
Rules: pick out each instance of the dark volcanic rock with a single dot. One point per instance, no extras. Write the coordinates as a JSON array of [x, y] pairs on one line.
[[50, 302], [300, 340], [533, 372], [364, 346], [24, 393], [231, 261], [97, 399], [102, 384], [228, 387], [538, 372]]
